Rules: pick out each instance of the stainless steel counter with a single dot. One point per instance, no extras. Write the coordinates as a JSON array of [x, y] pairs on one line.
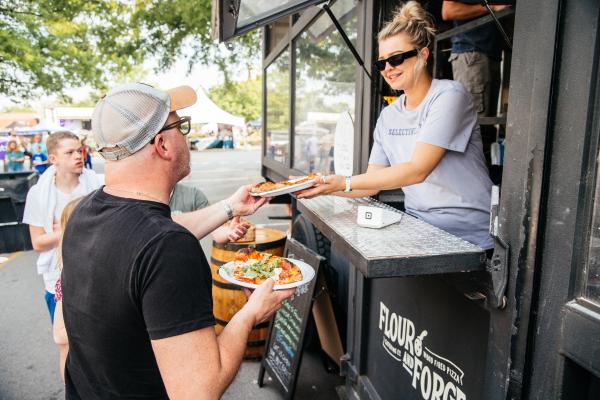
[[408, 248]]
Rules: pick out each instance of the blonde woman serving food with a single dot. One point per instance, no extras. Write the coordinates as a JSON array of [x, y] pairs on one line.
[[427, 142]]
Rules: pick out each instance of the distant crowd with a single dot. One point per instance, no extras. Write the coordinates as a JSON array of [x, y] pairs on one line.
[[25, 153]]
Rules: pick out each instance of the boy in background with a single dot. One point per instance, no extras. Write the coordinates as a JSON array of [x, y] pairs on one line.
[[62, 182]]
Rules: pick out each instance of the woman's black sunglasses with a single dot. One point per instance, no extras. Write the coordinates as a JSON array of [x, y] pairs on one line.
[[395, 60]]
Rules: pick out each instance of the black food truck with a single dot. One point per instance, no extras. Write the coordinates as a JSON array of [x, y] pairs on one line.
[[424, 314]]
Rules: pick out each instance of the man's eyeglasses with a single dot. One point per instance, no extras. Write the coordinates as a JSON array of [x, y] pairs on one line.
[[395, 60], [184, 125]]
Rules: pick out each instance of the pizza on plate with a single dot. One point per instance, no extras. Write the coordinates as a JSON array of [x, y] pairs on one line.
[[256, 267], [268, 186]]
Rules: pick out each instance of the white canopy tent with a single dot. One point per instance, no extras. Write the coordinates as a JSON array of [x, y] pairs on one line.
[[205, 111]]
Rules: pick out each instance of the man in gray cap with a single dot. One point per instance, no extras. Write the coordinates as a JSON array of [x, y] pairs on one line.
[[136, 285]]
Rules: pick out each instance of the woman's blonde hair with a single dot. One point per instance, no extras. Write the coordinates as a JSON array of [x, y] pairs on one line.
[[412, 19], [64, 218]]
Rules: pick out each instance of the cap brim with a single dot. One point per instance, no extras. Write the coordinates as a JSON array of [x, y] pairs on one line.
[[181, 97]]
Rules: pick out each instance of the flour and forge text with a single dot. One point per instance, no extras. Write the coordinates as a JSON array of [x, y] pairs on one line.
[[433, 376]]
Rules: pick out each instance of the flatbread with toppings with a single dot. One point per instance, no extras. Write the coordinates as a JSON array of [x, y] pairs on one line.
[[270, 186], [256, 267]]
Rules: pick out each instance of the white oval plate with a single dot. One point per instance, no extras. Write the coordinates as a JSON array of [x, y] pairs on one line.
[[308, 273], [286, 190]]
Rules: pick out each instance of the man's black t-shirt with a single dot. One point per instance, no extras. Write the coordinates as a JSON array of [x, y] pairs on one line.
[[130, 275]]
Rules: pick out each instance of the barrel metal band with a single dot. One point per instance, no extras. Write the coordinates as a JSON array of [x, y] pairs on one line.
[[216, 262]]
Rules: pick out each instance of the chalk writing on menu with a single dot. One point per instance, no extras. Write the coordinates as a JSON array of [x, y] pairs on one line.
[[287, 333], [283, 354]]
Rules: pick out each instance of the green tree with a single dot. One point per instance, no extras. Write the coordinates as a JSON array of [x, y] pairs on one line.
[[239, 98], [49, 44], [170, 23]]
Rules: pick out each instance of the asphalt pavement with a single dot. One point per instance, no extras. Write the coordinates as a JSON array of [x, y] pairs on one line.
[[28, 356]]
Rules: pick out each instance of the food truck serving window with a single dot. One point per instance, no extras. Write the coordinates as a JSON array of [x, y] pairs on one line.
[[325, 83], [277, 125], [236, 17]]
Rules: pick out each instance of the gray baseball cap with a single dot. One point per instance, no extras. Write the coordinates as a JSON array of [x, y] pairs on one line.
[[129, 116]]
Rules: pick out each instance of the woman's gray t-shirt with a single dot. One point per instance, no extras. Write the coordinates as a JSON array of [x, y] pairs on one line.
[[456, 195]]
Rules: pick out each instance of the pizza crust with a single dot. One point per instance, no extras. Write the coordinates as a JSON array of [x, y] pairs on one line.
[[268, 186], [256, 267]]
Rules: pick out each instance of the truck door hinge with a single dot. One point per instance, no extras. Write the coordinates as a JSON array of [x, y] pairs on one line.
[[497, 267], [347, 368]]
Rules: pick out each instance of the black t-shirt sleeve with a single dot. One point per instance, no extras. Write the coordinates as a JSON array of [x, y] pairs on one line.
[[173, 286]]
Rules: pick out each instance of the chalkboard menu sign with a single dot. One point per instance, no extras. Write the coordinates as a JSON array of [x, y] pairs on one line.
[[283, 352]]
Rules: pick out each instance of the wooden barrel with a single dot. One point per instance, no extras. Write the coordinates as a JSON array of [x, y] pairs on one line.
[[228, 298]]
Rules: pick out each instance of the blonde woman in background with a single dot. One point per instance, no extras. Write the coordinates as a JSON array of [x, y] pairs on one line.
[[58, 329], [427, 142]]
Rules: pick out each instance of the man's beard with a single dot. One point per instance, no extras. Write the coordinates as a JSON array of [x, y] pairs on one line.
[[184, 169]]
